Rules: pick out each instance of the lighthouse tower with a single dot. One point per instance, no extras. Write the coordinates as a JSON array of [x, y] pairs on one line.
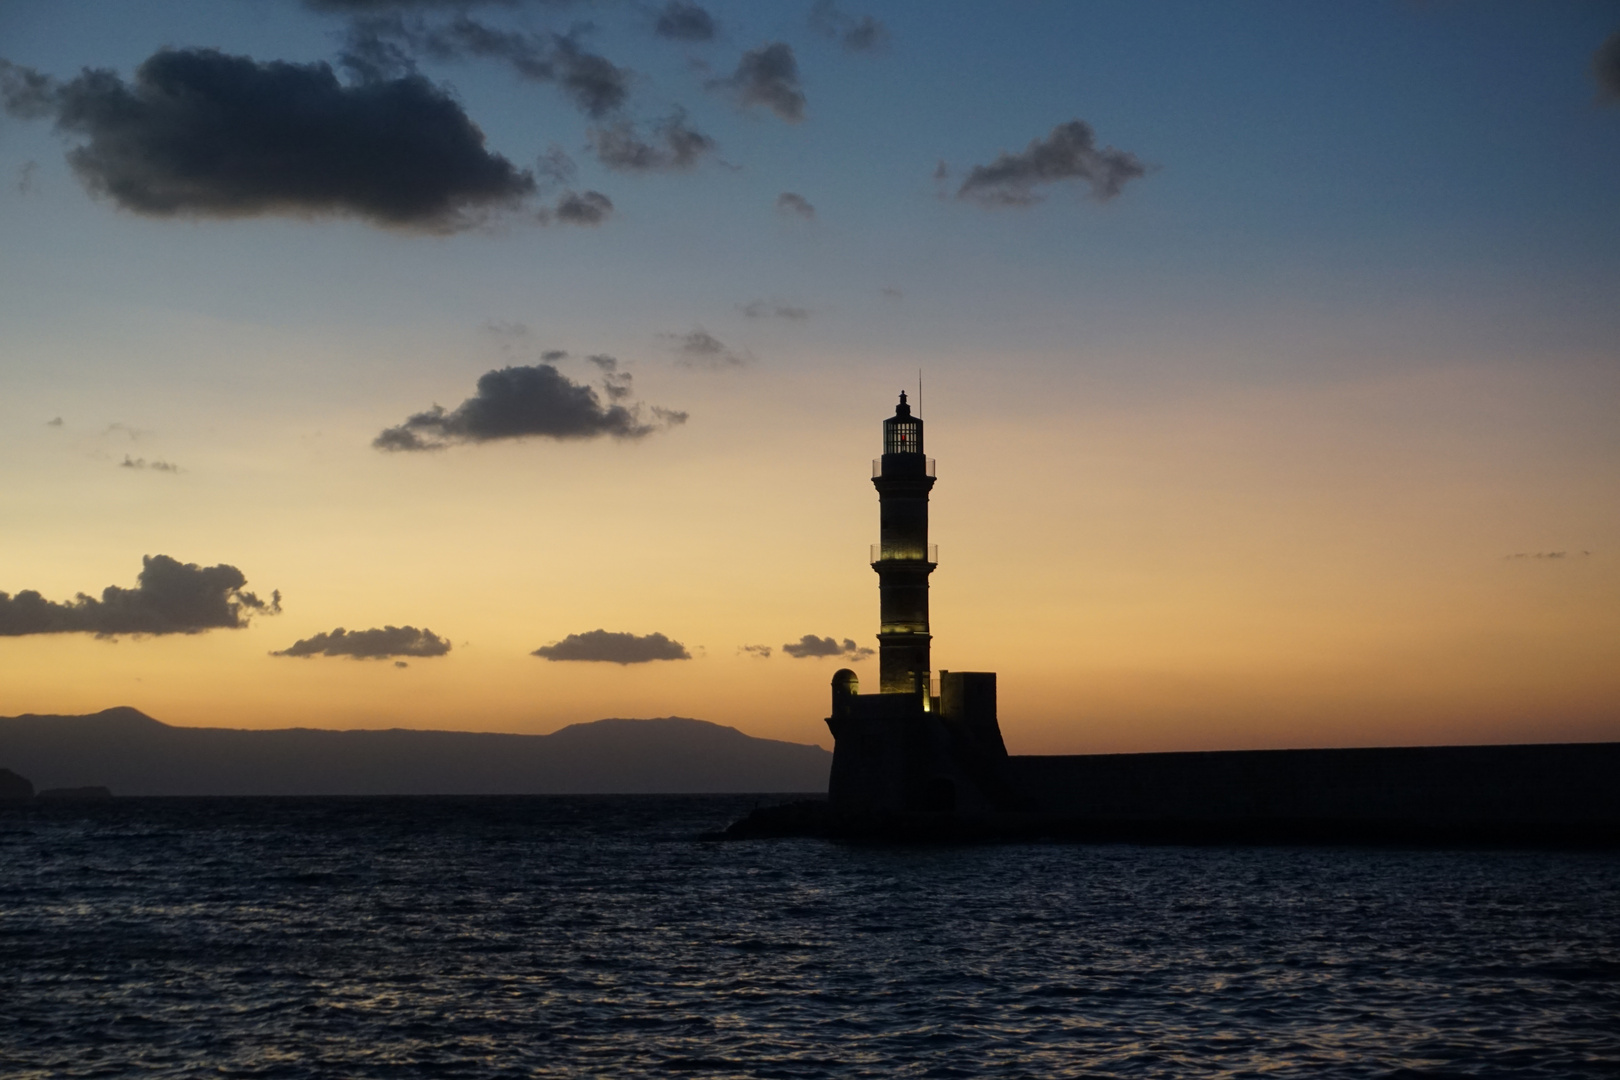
[[903, 557], [903, 750]]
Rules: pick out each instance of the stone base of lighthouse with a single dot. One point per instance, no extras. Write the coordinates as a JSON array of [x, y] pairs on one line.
[[897, 754]]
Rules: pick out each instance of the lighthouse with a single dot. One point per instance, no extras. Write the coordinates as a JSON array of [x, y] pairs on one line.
[[903, 557], [903, 749]]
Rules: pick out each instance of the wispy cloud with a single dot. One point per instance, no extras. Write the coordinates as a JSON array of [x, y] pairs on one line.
[[673, 146], [681, 20], [388, 44], [155, 464], [1069, 153], [793, 204], [509, 330], [857, 33], [577, 208], [1548, 555], [773, 309], [700, 349], [615, 383]]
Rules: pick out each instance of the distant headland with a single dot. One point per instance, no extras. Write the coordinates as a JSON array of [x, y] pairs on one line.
[[14, 788], [125, 750]]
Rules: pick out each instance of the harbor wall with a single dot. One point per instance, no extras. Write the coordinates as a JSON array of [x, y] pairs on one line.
[[1432, 787]]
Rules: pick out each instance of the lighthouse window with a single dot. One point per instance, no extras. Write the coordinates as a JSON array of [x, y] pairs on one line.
[[902, 439]]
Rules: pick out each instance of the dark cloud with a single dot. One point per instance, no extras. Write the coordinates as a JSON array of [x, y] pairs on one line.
[[795, 205], [575, 208], [1606, 68], [198, 132], [701, 349], [761, 309], [54, 422], [811, 646], [857, 33], [767, 76], [388, 46], [169, 597], [384, 644], [758, 652], [604, 361], [1069, 153], [26, 173], [680, 20], [155, 465], [519, 402], [614, 648], [553, 355], [675, 146]]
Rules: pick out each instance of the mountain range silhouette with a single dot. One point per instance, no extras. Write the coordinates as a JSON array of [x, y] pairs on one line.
[[133, 754]]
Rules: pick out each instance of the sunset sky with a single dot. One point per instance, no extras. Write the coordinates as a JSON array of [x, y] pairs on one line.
[[1271, 361]]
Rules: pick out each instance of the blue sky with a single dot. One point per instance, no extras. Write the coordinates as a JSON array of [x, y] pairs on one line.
[[1315, 161]]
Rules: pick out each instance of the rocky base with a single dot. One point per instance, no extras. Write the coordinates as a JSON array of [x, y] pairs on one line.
[[811, 817]]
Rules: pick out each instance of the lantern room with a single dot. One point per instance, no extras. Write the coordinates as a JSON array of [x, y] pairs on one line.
[[902, 432]]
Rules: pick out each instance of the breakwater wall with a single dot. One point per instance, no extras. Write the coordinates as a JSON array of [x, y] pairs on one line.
[[1541, 792]]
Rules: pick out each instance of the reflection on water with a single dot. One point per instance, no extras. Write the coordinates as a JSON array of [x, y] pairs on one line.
[[562, 936]]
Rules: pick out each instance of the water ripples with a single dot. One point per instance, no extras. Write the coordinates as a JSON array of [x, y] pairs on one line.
[[571, 936]]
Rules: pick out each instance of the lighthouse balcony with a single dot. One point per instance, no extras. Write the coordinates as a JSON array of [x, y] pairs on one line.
[[893, 552], [902, 465]]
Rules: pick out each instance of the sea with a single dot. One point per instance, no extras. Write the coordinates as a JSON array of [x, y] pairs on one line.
[[602, 937]]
